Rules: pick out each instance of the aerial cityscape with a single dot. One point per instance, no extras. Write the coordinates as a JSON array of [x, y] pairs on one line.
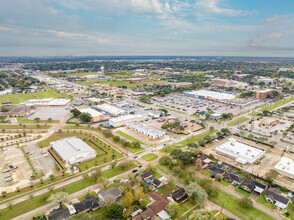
[[147, 109]]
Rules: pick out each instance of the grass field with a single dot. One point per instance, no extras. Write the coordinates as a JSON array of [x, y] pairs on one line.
[[122, 83], [130, 138], [25, 126], [26, 120], [194, 139], [149, 157], [41, 200], [224, 183], [231, 203], [242, 191], [238, 121], [22, 97]]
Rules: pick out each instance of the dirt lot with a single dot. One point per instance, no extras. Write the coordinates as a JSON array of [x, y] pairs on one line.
[[21, 175], [270, 159]]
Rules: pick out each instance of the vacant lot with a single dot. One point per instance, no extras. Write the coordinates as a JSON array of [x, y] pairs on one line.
[[238, 121]]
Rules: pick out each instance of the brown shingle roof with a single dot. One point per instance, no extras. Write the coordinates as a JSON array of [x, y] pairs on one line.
[[159, 204]]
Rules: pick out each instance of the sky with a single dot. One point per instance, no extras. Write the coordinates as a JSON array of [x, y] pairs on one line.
[[147, 27]]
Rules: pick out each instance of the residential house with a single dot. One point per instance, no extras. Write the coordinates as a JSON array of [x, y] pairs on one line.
[[253, 185], [58, 214], [155, 208], [147, 175], [157, 183], [88, 204], [275, 196], [180, 195], [233, 177], [216, 169], [110, 194]]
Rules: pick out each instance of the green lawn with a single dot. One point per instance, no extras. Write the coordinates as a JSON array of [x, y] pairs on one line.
[[207, 173], [231, 203], [237, 121], [194, 139], [261, 200], [22, 97], [26, 120], [38, 201], [149, 157], [221, 216], [129, 137], [224, 183], [25, 126], [242, 192]]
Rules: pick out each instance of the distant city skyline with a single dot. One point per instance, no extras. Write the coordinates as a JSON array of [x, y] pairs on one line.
[[147, 27]]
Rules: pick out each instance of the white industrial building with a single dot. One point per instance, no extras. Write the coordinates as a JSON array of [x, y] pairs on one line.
[[210, 95], [146, 129], [121, 120], [240, 152], [286, 167], [111, 109], [73, 150], [47, 102]]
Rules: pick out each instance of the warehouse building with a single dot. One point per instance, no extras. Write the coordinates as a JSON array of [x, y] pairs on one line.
[[95, 115], [111, 109], [73, 150], [47, 102], [121, 120], [210, 95], [240, 152], [286, 167], [146, 130]]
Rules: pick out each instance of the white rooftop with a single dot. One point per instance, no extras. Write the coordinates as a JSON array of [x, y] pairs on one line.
[[211, 94], [70, 147], [91, 111], [124, 118], [111, 109], [286, 165], [241, 152]]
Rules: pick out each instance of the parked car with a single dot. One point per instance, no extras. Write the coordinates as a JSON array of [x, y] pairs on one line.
[[135, 170], [8, 175], [9, 179], [5, 171]]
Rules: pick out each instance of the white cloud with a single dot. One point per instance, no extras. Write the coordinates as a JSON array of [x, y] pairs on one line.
[[271, 37], [273, 19], [208, 7]]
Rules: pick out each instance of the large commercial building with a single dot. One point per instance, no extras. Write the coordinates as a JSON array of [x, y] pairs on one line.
[[210, 95], [264, 94], [267, 81], [73, 150], [95, 115], [146, 129], [47, 102], [111, 109], [240, 152], [121, 120], [228, 83], [286, 167]]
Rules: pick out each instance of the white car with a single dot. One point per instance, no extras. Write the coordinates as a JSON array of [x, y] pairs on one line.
[[8, 175], [5, 171], [9, 179]]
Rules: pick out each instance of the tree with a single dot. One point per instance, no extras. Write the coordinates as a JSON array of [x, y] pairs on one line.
[[151, 167], [138, 192], [85, 117], [113, 164], [3, 193], [75, 112], [211, 128], [37, 120], [59, 198], [246, 203], [173, 209], [49, 120], [199, 164], [197, 194], [104, 182], [129, 198], [218, 177], [192, 145], [170, 184], [115, 211], [51, 177], [201, 214]]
